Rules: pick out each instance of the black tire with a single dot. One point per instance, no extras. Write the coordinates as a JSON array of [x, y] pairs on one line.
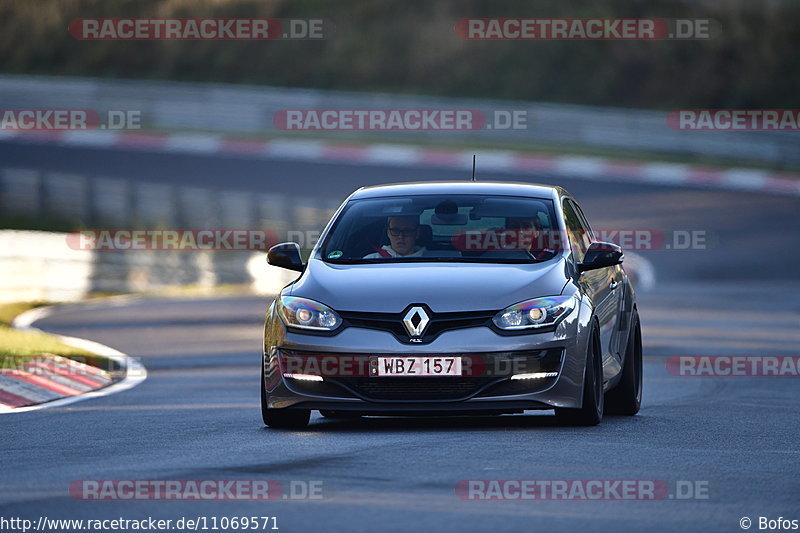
[[626, 398], [327, 413], [286, 418], [591, 411], [281, 418]]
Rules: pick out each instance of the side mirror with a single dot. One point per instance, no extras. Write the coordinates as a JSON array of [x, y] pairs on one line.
[[286, 255], [599, 255]]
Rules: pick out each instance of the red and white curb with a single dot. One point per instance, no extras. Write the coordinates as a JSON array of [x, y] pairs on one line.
[[55, 381], [523, 163], [47, 377]]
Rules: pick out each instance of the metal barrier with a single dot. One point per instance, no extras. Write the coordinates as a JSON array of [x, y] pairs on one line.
[[116, 202], [37, 265], [250, 109]]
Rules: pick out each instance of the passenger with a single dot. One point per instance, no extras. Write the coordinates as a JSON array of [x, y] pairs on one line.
[[403, 232], [528, 236]]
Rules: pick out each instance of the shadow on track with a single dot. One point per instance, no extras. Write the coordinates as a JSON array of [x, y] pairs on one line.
[[450, 423]]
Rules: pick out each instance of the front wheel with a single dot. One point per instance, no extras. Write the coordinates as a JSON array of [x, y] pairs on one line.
[[591, 411], [281, 418], [626, 398], [285, 418]]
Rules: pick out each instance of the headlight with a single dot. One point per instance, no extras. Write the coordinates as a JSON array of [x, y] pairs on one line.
[[536, 313], [308, 314]]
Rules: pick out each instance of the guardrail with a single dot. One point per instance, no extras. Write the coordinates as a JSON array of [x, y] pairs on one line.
[[250, 109], [118, 202], [38, 265]]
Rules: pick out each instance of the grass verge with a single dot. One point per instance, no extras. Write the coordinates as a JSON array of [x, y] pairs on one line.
[[15, 342], [9, 311]]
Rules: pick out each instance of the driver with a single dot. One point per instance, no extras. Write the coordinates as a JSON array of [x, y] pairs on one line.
[[403, 233]]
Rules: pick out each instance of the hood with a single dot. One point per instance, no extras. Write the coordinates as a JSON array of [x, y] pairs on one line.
[[443, 287]]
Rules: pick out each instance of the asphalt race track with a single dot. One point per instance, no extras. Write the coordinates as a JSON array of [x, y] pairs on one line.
[[734, 440]]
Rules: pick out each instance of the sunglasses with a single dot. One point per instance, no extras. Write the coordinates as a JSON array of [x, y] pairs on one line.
[[396, 232]]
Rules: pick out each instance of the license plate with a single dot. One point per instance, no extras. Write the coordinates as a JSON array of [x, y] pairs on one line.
[[418, 366]]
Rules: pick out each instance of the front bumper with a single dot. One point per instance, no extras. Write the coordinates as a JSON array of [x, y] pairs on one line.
[[487, 387]]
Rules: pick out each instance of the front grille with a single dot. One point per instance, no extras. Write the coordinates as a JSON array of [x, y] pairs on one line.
[[415, 389], [439, 322]]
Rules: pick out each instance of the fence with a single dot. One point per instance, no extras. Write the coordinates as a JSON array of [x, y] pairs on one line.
[[250, 109]]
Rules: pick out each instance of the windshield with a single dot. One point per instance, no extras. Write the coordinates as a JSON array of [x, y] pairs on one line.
[[448, 228]]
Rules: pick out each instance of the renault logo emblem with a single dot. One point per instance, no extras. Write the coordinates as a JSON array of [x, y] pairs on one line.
[[415, 321]]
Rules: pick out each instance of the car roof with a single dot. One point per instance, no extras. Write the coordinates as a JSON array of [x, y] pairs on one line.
[[505, 188]]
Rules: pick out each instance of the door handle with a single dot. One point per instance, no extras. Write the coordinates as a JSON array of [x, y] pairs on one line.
[[614, 284]]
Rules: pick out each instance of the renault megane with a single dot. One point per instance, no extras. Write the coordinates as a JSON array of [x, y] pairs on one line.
[[451, 298]]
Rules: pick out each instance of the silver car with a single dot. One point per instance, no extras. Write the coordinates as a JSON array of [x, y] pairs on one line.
[[453, 298]]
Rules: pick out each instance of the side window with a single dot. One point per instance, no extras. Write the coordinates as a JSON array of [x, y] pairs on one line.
[[584, 223], [578, 235]]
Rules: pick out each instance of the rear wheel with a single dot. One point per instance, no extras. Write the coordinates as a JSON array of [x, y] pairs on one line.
[[281, 418], [626, 398], [591, 411]]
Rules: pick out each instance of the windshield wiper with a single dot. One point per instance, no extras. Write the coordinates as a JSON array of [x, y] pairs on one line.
[[356, 261]]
